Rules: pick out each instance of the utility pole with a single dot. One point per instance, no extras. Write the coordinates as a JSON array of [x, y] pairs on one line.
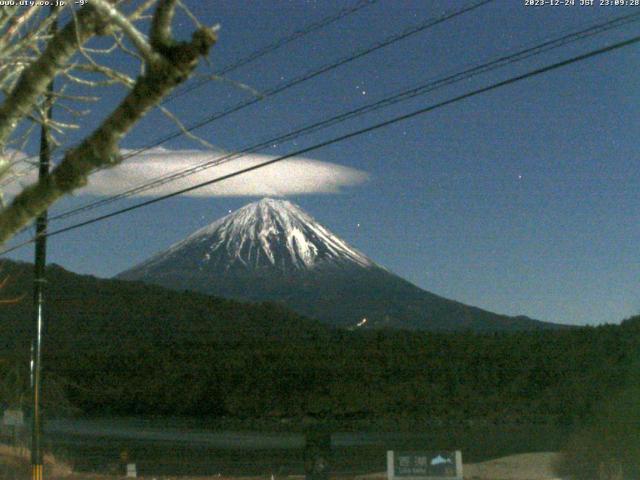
[[39, 287]]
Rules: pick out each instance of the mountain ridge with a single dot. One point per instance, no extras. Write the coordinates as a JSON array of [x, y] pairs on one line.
[[250, 236], [271, 250]]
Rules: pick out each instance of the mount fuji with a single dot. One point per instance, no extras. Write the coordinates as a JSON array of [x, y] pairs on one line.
[[272, 250]]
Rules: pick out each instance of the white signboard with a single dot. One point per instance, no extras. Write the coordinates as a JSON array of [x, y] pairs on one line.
[[423, 465], [131, 470], [13, 418]]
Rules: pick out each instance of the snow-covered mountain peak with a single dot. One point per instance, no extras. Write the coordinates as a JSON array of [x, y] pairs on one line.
[[272, 250], [267, 234]]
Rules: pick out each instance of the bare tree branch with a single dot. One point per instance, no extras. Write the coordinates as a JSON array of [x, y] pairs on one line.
[[140, 11], [185, 131], [30, 40], [110, 73], [35, 78], [161, 24], [136, 37], [100, 149]]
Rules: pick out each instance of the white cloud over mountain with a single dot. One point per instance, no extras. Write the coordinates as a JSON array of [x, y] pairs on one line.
[[295, 176]]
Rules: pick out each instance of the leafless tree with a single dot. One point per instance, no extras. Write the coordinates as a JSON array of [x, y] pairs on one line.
[[32, 55]]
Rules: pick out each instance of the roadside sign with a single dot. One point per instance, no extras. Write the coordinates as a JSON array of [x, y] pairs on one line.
[[13, 418], [424, 465], [131, 470]]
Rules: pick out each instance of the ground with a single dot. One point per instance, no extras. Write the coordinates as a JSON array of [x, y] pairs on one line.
[[14, 465]]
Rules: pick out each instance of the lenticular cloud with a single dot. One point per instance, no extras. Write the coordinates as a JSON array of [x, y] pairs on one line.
[[293, 176]]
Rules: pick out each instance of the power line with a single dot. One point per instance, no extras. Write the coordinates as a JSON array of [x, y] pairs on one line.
[[312, 27], [347, 136], [409, 31], [314, 73], [391, 100], [431, 22], [255, 55]]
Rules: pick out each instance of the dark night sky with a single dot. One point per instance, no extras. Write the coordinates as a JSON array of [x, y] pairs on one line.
[[523, 200]]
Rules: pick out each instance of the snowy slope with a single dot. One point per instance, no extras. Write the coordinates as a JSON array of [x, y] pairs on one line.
[[269, 234], [272, 250]]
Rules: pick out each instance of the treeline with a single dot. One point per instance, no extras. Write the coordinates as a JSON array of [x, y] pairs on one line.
[[500, 378], [123, 348]]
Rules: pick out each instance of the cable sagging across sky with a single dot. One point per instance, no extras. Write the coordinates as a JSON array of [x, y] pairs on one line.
[[341, 138]]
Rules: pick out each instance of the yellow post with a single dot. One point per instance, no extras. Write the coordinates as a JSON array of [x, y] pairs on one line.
[[37, 473]]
